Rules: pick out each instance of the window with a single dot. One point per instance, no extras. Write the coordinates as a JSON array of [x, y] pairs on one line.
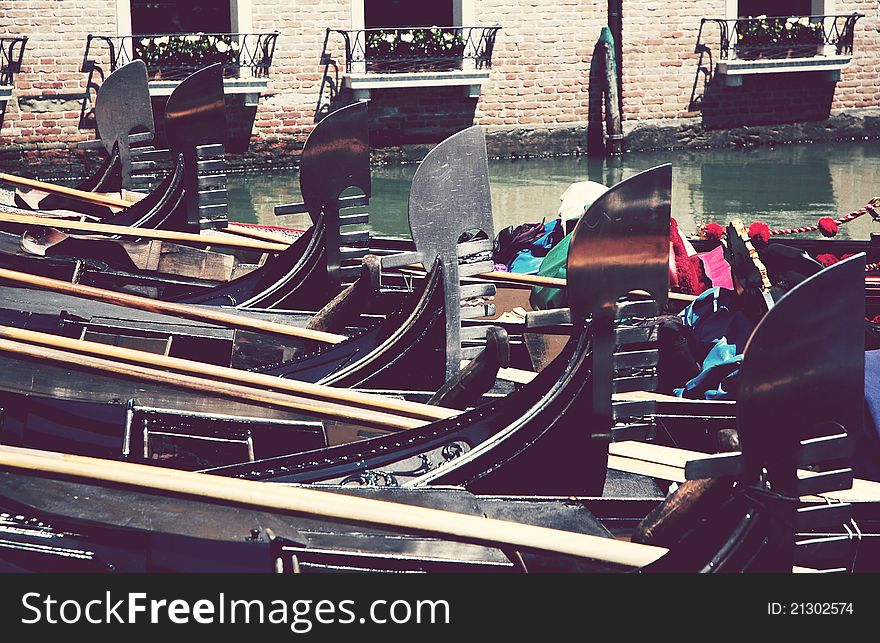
[[405, 13], [754, 8], [209, 16]]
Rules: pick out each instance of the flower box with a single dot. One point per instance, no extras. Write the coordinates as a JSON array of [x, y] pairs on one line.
[[780, 37], [426, 49], [175, 56]]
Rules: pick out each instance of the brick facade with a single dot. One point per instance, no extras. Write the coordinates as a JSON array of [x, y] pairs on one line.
[[537, 98]]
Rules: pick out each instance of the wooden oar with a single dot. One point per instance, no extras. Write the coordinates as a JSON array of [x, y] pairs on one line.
[[332, 506], [205, 238], [82, 195], [109, 200], [202, 314], [238, 392], [265, 382]]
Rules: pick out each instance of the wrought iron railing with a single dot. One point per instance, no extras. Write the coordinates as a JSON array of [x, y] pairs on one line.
[[416, 48], [11, 55], [782, 36], [176, 56]]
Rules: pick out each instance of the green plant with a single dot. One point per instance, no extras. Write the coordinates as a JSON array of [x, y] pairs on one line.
[[778, 32], [426, 44], [185, 51]]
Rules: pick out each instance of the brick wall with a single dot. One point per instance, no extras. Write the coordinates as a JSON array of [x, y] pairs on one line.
[[540, 79], [44, 113], [662, 77]]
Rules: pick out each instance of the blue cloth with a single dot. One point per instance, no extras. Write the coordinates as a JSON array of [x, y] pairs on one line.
[[720, 332], [528, 260]]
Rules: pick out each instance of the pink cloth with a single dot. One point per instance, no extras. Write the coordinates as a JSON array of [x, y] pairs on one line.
[[717, 268]]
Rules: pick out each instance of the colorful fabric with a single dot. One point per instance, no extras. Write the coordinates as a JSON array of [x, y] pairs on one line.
[[720, 332], [522, 249]]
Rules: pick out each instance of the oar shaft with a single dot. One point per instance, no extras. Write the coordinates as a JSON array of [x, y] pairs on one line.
[[82, 195], [266, 382], [179, 310], [333, 506], [362, 417], [207, 239]]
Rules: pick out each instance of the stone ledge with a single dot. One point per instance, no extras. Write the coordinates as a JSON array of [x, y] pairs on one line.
[[362, 84], [252, 88], [733, 70]]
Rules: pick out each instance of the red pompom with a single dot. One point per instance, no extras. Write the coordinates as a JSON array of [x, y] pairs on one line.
[[828, 226], [827, 259], [712, 232], [759, 233]]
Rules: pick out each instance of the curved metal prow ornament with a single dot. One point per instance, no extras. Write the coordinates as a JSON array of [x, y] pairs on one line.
[[336, 157], [621, 244], [450, 197], [800, 401], [802, 379], [123, 108], [195, 127]]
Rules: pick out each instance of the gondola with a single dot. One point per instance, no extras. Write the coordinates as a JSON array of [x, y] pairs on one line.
[[545, 415], [66, 514], [416, 346], [184, 201]]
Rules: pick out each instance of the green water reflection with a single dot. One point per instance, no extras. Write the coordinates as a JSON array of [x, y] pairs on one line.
[[786, 186]]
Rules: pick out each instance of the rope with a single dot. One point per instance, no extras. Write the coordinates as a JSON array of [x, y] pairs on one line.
[[852, 216]]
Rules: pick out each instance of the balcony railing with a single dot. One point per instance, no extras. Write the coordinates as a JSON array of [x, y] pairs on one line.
[[413, 49], [11, 55], [779, 37], [176, 56]]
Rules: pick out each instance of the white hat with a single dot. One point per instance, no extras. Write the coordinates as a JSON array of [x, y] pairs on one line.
[[578, 197]]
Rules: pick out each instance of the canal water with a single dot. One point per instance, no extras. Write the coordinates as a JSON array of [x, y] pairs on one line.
[[784, 186]]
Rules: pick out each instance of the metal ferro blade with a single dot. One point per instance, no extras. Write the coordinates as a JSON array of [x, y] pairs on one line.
[[621, 244], [196, 111], [122, 108], [450, 196], [336, 156], [803, 371]]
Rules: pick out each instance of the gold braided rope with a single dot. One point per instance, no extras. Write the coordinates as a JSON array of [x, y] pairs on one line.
[[740, 228]]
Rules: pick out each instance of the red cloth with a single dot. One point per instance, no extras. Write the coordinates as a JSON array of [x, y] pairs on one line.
[[683, 274]]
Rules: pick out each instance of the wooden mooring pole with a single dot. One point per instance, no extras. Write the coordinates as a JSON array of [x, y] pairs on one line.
[[613, 122]]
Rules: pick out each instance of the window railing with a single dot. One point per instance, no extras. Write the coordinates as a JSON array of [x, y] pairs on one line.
[[176, 56], [409, 49], [781, 36], [11, 55]]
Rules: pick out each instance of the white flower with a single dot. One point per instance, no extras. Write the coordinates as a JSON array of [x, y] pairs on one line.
[[448, 36], [389, 38], [192, 38], [221, 46], [160, 41], [406, 37]]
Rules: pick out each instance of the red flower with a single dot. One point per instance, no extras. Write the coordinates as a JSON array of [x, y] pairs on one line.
[[759, 233], [712, 232], [828, 226], [827, 259]]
